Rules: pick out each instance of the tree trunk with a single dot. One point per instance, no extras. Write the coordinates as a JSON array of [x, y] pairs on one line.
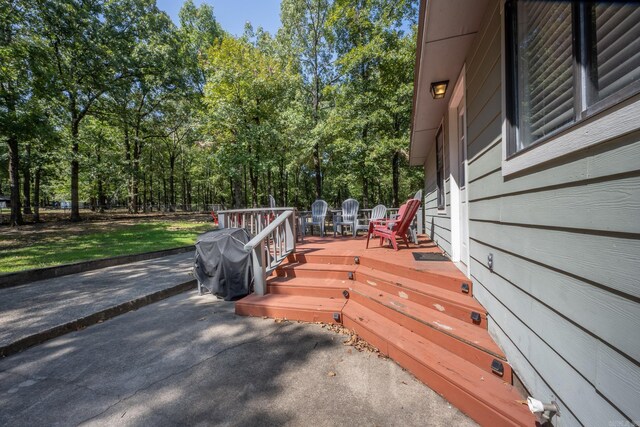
[[164, 192], [253, 177], [75, 168], [26, 184], [238, 196], [395, 166], [151, 179], [296, 183], [144, 193], [127, 157], [172, 192], [184, 191], [365, 182], [318, 171], [14, 181], [189, 198], [245, 202], [283, 197], [102, 198], [184, 184], [36, 196], [135, 173]]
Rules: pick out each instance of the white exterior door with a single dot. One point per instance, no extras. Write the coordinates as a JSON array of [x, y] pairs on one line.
[[458, 176]]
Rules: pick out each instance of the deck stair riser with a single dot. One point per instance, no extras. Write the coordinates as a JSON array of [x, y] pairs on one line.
[[485, 398], [466, 341], [324, 259], [441, 280], [306, 309], [454, 304], [316, 271], [307, 286]]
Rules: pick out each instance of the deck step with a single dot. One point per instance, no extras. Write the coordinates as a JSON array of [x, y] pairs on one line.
[[455, 304], [291, 307], [308, 286], [463, 339], [322, 271], [484, 397], [439, 273]]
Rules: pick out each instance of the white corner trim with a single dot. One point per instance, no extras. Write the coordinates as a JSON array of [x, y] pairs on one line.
[[611, 123]]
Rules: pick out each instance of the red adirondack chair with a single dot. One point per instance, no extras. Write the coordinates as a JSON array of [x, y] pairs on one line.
[[396, 228], [394, 219]]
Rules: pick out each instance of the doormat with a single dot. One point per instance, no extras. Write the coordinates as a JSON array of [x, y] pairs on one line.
[[429, 256]]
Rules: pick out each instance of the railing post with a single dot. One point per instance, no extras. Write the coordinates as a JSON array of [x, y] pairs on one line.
[[290, 232], [221, 220], [259, 270]]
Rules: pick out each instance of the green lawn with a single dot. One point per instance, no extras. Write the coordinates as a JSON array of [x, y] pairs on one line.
[[64, 248]]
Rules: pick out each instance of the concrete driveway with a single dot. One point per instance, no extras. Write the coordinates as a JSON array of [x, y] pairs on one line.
[[188, 360]]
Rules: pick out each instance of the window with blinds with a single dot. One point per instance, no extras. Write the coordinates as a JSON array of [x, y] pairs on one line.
[[615, 28], [545, 69], [568, 60]]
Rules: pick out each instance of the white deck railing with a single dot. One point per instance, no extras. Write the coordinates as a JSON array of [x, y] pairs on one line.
[[275, 238], [253, 220]]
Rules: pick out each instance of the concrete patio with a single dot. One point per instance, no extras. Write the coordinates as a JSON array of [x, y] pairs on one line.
[[188, 360]]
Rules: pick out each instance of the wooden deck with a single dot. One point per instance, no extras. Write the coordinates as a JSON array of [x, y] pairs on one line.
[[422, 314]]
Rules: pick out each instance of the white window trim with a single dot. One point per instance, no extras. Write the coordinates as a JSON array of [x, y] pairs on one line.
[[609, 124], [441, 210]]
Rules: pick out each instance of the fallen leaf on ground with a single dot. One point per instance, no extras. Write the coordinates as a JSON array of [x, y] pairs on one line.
[[351, 341]]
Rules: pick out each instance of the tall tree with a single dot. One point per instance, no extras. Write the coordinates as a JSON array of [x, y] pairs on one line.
[[88, 40], [304, 27], [365, 32], [246, 86], [14, 90], [154, 75]]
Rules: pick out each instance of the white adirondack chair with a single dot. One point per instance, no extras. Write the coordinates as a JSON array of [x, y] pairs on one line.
[[413, 229], [377, 213], [318, 215], [348, 217]]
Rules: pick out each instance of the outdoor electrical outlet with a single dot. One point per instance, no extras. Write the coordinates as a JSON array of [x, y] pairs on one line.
[[490, 262]]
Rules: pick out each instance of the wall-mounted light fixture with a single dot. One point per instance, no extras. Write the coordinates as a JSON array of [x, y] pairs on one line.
[[438, 89]]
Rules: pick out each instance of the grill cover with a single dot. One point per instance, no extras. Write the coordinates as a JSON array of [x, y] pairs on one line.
[[222, 266]]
